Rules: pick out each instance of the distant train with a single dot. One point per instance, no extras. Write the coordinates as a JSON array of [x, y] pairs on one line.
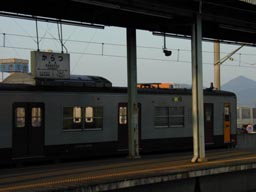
[[71, 118], [245, 115]]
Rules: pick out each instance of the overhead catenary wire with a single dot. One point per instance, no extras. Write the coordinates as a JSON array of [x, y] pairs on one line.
[[247, 65], [108, 44], [81, 56], [228, 56], [178, 51], [60, 34]]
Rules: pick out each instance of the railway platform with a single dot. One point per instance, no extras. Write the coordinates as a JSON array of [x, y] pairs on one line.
[[225, 168]]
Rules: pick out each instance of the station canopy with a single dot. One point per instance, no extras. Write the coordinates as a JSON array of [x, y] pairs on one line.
[[228, 20]]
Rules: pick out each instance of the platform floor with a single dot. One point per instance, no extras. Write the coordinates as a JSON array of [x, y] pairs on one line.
[[116, 173]]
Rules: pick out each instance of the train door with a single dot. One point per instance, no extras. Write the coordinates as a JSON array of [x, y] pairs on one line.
[[123, 125], [28, 129], [208, 123], [227, 123]]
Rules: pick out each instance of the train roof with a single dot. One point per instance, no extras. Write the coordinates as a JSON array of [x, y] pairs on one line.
[[74, 80], [86, 83], [69, 87]]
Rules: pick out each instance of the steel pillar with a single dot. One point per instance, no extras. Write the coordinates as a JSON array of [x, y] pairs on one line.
[[197, 91], [133, 131], [217, 64]]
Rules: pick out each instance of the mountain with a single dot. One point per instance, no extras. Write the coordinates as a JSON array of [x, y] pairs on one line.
[[244, 88]]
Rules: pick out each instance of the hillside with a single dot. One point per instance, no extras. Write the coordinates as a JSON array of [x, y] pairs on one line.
[[244, 88]]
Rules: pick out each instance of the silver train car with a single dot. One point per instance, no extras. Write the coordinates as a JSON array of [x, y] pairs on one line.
[[62, 119]]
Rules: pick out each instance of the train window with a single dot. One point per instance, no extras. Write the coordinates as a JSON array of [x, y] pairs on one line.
[[254, 113], [161, 117], [208, 116], [67, 117], [227, 112], [246, 113], [238, 113], [89, 114], [36, 118], [72, 118], [82, 118], [169, 116], [122, 115], [98, 117], [20, 117], [93, 117], [77, 114], [176, 116]]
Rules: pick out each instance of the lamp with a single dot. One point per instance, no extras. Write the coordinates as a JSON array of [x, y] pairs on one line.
[[167, 52]]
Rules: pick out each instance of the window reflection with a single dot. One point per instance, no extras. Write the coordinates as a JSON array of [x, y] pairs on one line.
[[36, 120], [88, 114], [20, 117], [169, 117], [82, 117], [77, 114], [122, 115]]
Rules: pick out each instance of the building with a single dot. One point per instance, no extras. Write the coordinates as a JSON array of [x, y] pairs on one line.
[[13, 65]]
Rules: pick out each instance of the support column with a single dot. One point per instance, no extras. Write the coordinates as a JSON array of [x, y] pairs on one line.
[[217, 64], [133, 132], [197, 91]]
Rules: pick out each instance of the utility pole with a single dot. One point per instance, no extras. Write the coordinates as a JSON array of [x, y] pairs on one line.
[[217, 64]]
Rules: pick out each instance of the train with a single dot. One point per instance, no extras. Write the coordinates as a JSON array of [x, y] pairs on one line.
[[87, 117]]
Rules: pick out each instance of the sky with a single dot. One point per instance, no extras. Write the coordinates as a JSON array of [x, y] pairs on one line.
[[102, 52]]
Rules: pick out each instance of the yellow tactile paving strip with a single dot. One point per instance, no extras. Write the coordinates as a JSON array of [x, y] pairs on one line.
[[88, 172]]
